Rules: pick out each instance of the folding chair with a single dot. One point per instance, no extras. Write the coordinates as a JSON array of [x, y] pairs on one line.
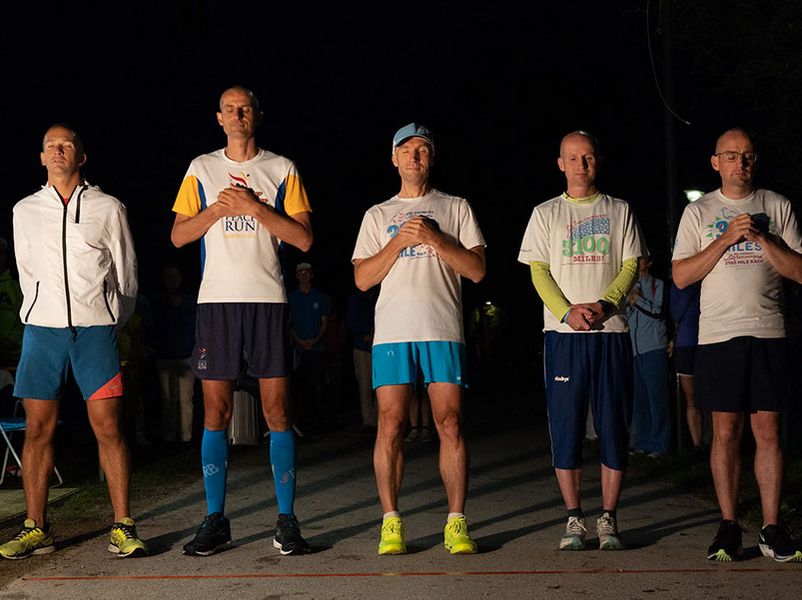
[[8, 425]]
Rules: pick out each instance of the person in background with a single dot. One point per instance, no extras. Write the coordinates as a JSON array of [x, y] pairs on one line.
[[173, 339], [684, 309], [309, 313], [651, 412], [360, 319]]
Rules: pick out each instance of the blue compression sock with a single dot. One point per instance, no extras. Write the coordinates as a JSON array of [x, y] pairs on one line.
[[214, 456], [282, 461]]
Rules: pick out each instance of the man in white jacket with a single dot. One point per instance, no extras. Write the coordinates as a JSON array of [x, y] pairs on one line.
[[77, 271]]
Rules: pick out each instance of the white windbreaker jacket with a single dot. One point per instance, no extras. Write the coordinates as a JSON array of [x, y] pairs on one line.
[[77, 266]]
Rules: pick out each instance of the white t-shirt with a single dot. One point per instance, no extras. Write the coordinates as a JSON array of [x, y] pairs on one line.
[[421, 296], [584, 244], [239, 257], [742, 294]]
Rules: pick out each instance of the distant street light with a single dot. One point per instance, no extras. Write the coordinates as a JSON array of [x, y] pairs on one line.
[[693, 195]]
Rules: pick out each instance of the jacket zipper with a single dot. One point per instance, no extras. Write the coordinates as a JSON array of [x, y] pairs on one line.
[[64, 251], [106, 300], [35, 298]]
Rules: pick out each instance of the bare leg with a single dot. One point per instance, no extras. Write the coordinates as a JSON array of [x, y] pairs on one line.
[[768, 463], [446, 407], [218, 399], [725, 460], [388, 459], [41, 418], [425, 409], [186, 389], [570, 482], [274, 393], [105, 417], [611, 481], [692, 414]]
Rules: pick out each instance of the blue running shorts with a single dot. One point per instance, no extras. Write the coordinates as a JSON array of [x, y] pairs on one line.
[[401, 362], [48, 353]]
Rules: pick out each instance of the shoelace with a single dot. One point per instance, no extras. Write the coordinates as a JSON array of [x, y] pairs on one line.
[[291, 527], [392, 527], [127, 531], [458, 526], [25, 532], [606, 526], [575, 526]]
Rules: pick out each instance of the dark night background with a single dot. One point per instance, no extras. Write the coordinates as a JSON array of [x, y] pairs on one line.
[[499, 84]]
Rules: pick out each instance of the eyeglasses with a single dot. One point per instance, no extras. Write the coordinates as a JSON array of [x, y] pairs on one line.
[[732, 156]]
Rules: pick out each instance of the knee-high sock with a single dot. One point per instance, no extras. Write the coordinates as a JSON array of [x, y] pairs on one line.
[[214, 455], [282, 461]]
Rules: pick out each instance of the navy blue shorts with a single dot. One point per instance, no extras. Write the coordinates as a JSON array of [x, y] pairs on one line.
[[48, 354], [232, 339], [744, 374], [588, 369]]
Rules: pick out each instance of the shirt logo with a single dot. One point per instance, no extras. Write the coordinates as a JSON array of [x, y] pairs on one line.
[[562, 379], [419, 251], [588, 239]]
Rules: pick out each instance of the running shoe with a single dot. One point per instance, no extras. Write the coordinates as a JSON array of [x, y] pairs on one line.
[[413, 435], [392, 540], [288, 536], [575, 531], [609, 538], [124, 541], [726, 546], [775, 543], [30, 540], [213, 534], [457, 538]]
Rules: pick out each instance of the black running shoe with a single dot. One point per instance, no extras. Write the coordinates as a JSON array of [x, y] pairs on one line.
[[775, 543], [213, 533], [727, 545], [288, 536]]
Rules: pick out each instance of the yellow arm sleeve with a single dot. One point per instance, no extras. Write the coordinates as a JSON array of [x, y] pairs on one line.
[[548, 290], [623, 282]]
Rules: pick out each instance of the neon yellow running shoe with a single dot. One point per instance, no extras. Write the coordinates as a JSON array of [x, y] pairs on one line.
[[392, 541], [124, 541], [457, 538], [30, 540]]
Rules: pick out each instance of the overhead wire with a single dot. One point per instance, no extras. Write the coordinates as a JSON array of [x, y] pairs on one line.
[[654, 68]]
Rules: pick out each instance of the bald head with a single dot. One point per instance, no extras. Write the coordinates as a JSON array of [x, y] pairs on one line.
[[240, 89], [735, 133], [580, 135]]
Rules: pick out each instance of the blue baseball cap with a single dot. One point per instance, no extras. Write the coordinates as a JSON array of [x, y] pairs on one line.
[[410, 131]]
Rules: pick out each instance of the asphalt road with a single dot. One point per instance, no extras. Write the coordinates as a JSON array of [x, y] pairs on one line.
[[514, 510]]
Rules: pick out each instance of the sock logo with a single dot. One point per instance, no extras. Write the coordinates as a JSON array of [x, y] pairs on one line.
[[286, 477], [562, 379], [210, 469]]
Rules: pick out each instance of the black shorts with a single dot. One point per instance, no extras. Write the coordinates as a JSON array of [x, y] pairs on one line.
[[684, 359], [744, 374], [233, 339]]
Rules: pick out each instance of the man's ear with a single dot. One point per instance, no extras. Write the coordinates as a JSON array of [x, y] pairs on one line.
[[561, 164]]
